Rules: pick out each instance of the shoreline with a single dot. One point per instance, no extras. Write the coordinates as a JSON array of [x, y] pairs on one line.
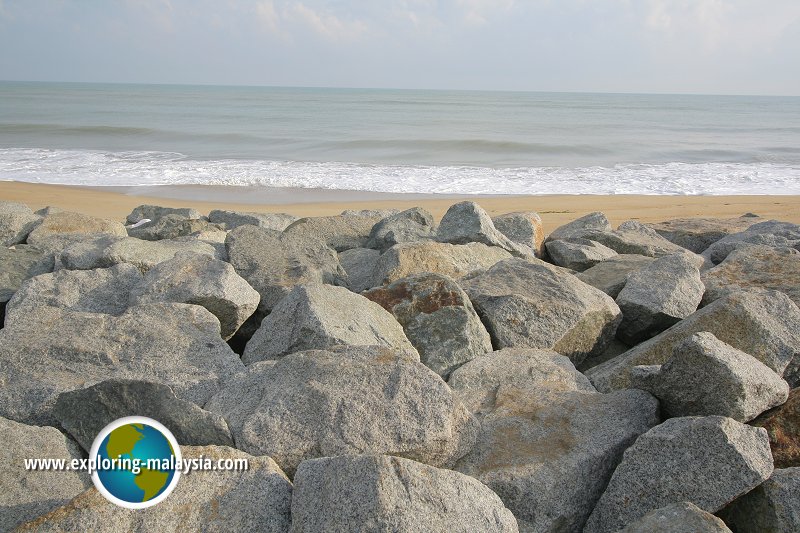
[[555, 210]]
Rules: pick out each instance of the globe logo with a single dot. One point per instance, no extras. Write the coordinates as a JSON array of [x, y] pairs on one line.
[[137, 462]]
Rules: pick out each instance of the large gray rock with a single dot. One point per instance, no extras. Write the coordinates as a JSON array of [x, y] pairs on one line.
[[549, 454], [709, 461], [317, 317], [83, 413], [683, 517], [349, 400], [769, 233], [579, 228], [633, 237], [755, 266], [415, 224], [611, 275], [66, 223], [454, 260], [234, 219], [56, 350], [578, 254], [772, 507], [273, 263], [340, 232], [359, 264], [523, 227], [705, 376], [18, 264], [467, 222], [200, 280], [384, 493], [658, 296], [438, 319], [764, 324], [170, 227], [16, 222], [155, 212], [104, 290], [26, 494], [697, 234], [480, 382], [530, 303], [144, 255], [256, 499], [84, 254]]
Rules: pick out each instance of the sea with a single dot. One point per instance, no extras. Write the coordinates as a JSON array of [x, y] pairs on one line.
[[399, 141]]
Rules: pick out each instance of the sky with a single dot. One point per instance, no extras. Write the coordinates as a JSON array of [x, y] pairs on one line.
[[650, 46]]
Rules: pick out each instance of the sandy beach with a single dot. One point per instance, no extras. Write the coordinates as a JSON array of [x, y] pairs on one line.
[[116, 203]]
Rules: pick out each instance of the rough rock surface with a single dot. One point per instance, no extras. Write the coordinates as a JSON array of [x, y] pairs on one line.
[[467, 222], [257, 499], [764, 324], [481, 381], [83, 413], [273, 263], [658, 296], [340, 232], [783, 426], [611, 275], [682, 517], [438, 319], [104, 290], [530, 303], [200, 280], [65, 223], [705, 376], [772, 507], [415, 224], [580, 227], [633, 237], [317, 317], [349, 400], [16, 222], [18, 264], [454, 260], [144, 255], [26, 494], [57, 350], [755, 266], [384, 493], [549, 454], [578, 254], [770, 233], [85, 254], [359, 264], [697, 234], [709, 461], [155, 212], [170, 227], [523, 227], [234, 219]]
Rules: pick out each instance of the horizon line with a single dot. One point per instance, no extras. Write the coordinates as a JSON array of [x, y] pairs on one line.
[[331, 87]]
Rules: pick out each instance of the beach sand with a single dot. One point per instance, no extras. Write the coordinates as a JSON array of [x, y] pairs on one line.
[[555, 210]]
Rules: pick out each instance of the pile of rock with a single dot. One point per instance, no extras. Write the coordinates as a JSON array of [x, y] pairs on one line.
[[385, 372]]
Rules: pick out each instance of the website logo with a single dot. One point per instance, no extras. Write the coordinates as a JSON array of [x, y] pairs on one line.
[[137, 462]]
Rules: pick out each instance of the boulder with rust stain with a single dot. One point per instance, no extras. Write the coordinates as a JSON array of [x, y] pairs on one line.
[[783, 426], [438, 319]]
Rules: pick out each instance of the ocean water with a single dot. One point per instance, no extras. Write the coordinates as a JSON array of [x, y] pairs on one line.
[[454, 142]]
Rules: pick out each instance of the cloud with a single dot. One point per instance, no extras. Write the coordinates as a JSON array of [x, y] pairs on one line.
[[478, 12], [326, 24]]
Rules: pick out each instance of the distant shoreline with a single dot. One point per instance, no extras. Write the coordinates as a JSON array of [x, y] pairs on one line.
[[116, 203]]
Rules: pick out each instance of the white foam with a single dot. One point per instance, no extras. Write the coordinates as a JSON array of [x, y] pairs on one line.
[[97, 168]]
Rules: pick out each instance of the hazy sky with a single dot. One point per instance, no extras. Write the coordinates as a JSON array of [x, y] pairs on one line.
[[691, 46]]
